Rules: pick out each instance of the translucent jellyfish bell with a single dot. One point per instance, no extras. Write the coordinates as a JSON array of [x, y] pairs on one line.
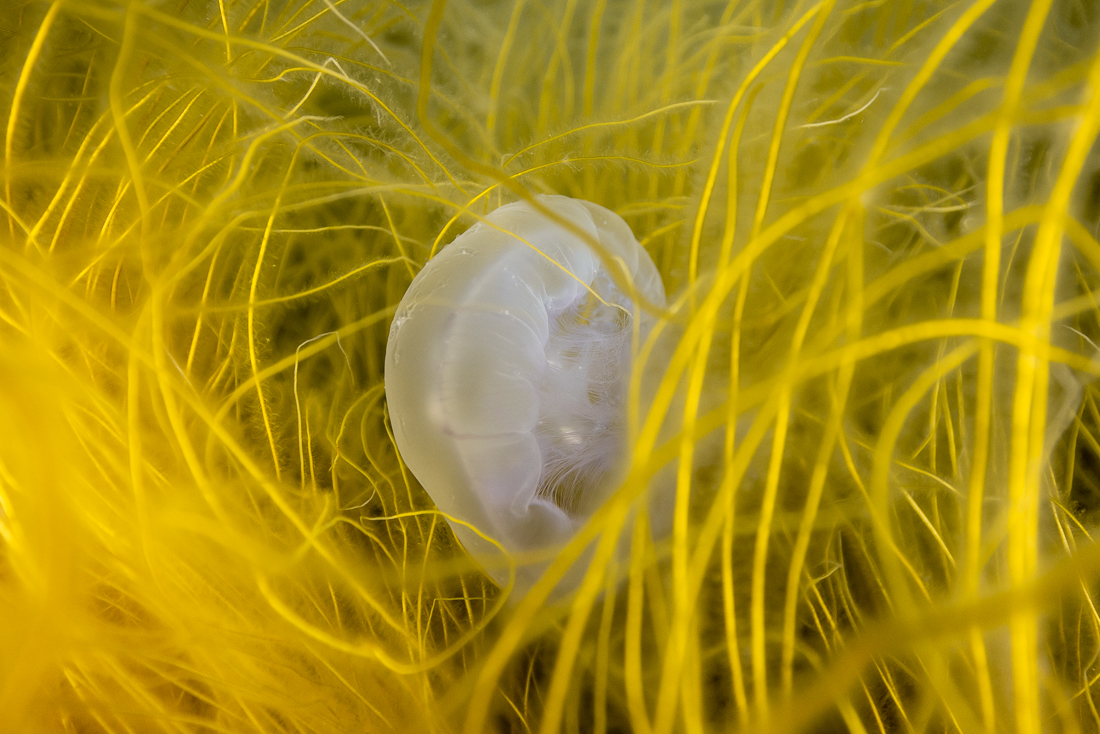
[[506, 378]]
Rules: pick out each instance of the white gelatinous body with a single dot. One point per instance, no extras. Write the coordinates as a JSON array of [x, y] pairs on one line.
[[506, 378]]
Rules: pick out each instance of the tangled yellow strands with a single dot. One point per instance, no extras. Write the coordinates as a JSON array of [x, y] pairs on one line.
[[878, 224]]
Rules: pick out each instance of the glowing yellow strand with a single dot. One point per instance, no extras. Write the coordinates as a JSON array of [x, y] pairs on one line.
[[817, 481], [1030, 398], [683, 603], [771, 488], [114, 96], [17, 98], [498, 69], [712, 175]]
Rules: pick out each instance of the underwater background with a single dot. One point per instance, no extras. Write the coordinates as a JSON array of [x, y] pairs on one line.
[[876, 221]]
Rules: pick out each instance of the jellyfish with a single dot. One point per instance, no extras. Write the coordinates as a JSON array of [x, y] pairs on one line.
[[507, 373]]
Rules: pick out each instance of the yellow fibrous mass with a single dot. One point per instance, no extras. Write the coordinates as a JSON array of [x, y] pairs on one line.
[[872, 393]]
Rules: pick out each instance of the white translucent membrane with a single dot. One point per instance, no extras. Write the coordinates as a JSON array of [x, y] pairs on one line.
[[506, 378]]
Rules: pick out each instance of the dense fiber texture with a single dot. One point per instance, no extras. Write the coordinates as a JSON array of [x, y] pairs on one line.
[[872, 395]]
